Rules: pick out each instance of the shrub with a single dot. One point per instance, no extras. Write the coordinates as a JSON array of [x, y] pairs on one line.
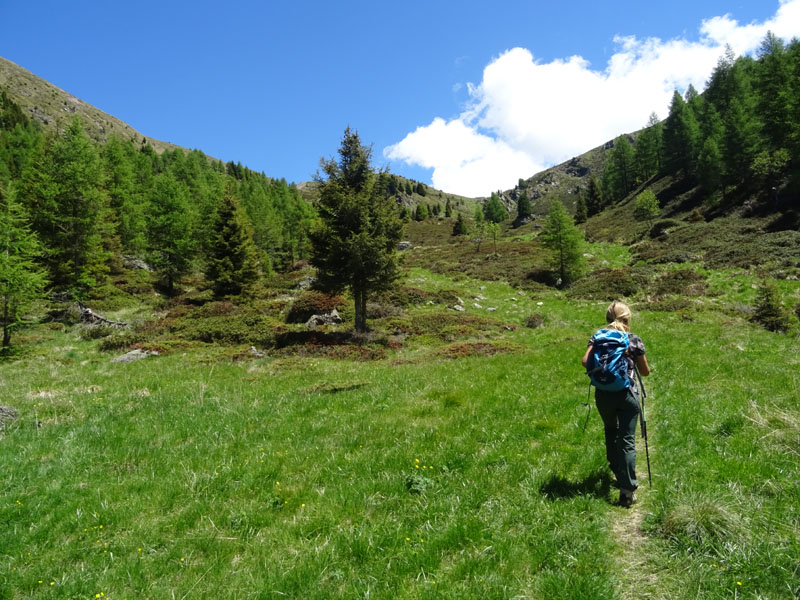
[[769, 311], [404, 296], [446, 297], [95, 332], [671, 304], [534, 321], [122, 341], [238, 329], [312, 302], [381, 311], [682, 282], [605, 284], [215, 309], [696, 216], [661, 227]]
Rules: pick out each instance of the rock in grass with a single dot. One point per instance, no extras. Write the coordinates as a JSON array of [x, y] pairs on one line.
[[8, 414], [134, 355], [329, 318]]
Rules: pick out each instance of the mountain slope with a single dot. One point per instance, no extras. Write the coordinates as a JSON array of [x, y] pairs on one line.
[[55, 108]]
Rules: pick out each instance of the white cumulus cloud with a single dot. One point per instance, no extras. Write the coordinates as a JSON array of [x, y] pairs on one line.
[[526, 115]]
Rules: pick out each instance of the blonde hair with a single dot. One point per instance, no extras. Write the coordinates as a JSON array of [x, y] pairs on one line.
[[618, 316]]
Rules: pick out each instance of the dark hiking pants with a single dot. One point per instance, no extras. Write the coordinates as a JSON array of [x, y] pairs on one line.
[[620, 411]]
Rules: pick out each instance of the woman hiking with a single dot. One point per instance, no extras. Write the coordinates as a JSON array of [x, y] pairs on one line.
[[619, 408]]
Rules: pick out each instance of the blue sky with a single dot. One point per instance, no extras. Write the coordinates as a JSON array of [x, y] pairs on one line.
[[469, 96]]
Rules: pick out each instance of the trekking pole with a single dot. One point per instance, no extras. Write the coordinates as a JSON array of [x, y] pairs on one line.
[[643, 420], [589, 410]]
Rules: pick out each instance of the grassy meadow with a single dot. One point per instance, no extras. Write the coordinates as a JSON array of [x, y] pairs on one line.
[[451, 464]]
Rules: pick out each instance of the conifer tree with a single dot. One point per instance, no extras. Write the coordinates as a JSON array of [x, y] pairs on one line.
[[710, 166], [524, 208], [740, 142], [594, 197], [580, 210], [493, 209], [769, 310], [448, 209], [619, 175], [564, 240], [171, 241], [649, 149], [774, 100], [70, 212], [232, 261], [355, 243], [681, 135], [460, 226], [22, 280], [125, 200]]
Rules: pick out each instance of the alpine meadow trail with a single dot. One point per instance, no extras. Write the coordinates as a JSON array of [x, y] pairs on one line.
[[636, 580]]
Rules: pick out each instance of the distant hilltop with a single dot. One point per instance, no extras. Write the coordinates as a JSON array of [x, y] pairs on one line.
[[54, 108]]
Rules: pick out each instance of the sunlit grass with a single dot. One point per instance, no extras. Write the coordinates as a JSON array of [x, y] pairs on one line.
[[411, 477]]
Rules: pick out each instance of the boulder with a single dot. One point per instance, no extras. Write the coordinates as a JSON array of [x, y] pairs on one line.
[[8, 414], [329, 318], [404, 246], [134, 355], [131, 262]]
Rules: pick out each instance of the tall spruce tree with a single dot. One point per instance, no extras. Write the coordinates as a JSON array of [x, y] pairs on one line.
[[355, 243], [594, 197], [232, 261], [648, 149], [580, 210], [70, 212], [564, 240], [125, 199], [774, 100], [524, 208], [619, 176], [171, 240], [22, 280], [681, 136]]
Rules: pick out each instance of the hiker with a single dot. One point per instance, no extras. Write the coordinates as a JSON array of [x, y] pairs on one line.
[[620, 409]]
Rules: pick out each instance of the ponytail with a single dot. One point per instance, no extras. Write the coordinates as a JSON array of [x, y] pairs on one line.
[[618, 316]]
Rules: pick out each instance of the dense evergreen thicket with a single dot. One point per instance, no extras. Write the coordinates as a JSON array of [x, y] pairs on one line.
[[742, 133], [90, 206]]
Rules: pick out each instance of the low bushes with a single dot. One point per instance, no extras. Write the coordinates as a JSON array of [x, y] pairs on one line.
[[683, 282], [312, 302], [605, 284]]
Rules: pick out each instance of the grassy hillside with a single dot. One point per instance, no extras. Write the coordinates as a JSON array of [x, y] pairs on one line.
[[442, 456], [54, 108]]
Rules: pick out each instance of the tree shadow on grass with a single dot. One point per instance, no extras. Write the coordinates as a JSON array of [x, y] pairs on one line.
[[598, 484]]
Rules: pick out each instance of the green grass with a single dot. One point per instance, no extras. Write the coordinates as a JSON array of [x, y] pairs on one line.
[[454, 467]]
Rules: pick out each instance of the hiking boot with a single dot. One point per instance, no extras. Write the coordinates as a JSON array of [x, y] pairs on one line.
[[627, 498]]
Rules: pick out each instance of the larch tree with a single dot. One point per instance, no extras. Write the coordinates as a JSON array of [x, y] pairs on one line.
[[564, 240], [22, 280], [70, 212], [493, 210], [354, 245]]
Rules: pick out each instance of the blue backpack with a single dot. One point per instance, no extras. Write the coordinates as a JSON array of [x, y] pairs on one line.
[[607, 367]]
